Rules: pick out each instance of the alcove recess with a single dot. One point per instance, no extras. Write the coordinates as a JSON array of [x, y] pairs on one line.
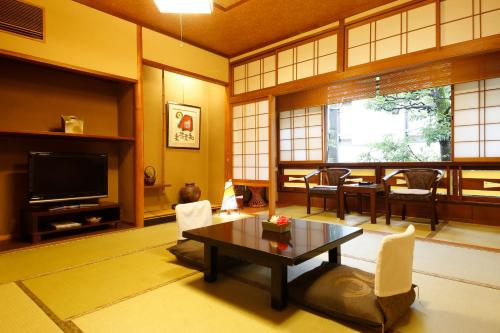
[[32, 99]]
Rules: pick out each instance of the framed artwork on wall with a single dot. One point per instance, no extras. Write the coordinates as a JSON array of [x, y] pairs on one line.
[[183, 126]]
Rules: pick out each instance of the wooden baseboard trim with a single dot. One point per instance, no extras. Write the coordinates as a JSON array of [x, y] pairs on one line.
[[5, 237]]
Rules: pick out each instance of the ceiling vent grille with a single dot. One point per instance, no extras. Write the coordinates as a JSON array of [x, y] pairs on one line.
[[21, 18]]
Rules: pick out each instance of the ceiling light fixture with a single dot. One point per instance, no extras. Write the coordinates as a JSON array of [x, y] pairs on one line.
[[185, 6]]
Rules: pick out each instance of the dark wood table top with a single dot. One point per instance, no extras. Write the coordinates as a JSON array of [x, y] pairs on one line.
[[363, 188], [306, 239]]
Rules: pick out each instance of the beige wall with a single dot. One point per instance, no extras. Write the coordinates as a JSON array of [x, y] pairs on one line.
[[168, 51], [78, 35], [205, 167]]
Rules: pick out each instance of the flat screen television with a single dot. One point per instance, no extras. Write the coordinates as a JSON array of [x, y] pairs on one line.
[[57, 177]]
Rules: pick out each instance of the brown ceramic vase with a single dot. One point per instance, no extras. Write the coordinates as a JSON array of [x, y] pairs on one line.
[[189, 193]]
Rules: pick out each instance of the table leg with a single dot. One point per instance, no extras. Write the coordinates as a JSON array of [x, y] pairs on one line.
[[279, 286], [373, 207], [334, 255], [210, 265], [360, 203], [340, 208]]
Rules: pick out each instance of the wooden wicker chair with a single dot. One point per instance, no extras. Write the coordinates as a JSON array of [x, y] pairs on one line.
[[422, 186], [329, 185]]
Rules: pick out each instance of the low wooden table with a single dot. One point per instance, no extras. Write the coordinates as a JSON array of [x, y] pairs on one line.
[[244, 239], [360, 190]]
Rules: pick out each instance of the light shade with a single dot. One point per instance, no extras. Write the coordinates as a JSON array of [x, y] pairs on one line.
[[229, 199], [185, 6]]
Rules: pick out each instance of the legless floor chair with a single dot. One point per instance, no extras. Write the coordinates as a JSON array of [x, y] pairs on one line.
[[376, 300], [191, 216]]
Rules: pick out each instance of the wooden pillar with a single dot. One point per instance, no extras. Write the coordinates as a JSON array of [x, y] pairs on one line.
[[273, 184], [228, 138], [139, 138]]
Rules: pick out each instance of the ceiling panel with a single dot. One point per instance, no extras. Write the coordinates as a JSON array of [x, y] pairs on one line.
[[241, 25]]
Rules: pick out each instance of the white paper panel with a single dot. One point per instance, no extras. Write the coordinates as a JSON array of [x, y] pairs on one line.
[[477, 26], [239, 72], [263, 160], [403, 21], [238, 111], [492, 97], [250, 160], [264, 133], [314, 131], [327, 45], [285, 144], [492, 115], [250, 173], [327, 63], [466, 149], [456, 32], [455, 9], [250, 135], [253, 68], [315, 143], [285, 134], [315, 120], [462, 88], [237, 173], [285, 74], [285, 123], [492, 132], [314, 110], [490, 23], [305, 69], [270, 63], [239, 87], [466, 133], [315, 155], [358, 55], [285, 155], [237, 148], [305, 52], [250, 148], [466, 101], [263, 107], [250, 109], [389, 47], [492, 149], [237, 160], [253, 83], [269, 79], [422, 16], [285, 114], [263, 174], [250, 122], [477, 5], [237, 136], [359, 35], [299, 155], [299, 121], [466, 117], [487, 5], [299, 144], [263, 147], [388, 26], [299, 112], [263, 120], [237, 124], [422, 39], [492, 84], [285, 58], [299, 133]]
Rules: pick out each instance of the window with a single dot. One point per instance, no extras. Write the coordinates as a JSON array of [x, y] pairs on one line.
[[403, 127], [301, 134], [251, 141]]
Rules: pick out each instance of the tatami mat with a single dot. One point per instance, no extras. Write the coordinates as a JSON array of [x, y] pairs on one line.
[[19, 313], [25, 263], [76, 291]]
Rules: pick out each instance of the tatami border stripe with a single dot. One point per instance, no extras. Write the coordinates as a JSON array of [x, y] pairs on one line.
[[65, 326]]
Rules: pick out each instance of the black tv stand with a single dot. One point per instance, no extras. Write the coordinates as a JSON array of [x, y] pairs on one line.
[[41, 222]]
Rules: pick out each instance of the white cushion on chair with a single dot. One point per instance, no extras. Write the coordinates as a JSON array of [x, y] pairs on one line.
[[415, 191], [193, 215], [393, 274]]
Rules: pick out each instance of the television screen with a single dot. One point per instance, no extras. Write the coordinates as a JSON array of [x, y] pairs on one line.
[[66, 176]]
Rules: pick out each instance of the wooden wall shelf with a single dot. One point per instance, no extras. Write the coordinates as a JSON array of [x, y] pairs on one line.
[[156, 186], [47, 134]]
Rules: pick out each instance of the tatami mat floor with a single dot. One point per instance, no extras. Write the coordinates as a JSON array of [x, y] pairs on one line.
[[126, 282]]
